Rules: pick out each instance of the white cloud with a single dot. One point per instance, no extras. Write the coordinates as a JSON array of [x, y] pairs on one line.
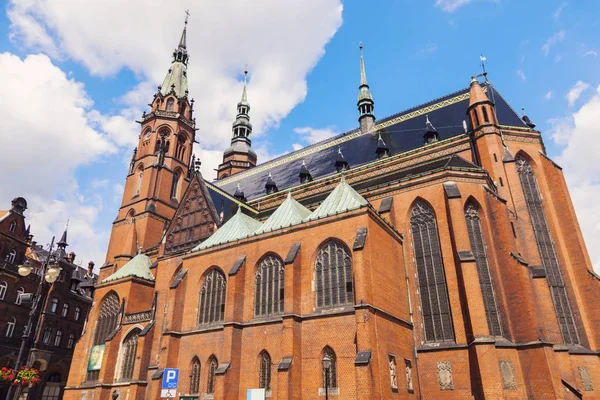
[[576, 92], [450, 6], [312, 135], [577, 135], [48, 135], [559, 10], [278, 63], [591, 53], [428, 50], [297, 146], [549, 95], [552, 40], [521, 75]]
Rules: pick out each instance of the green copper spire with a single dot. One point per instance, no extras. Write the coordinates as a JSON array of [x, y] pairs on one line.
[[176, 79], [365, 99]]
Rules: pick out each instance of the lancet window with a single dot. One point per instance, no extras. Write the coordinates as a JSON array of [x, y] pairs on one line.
[[212, 298], [333, 275], [269, 287]]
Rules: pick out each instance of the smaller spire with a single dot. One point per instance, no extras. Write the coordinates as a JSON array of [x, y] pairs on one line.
[[382, 150], [340, 162], [62, 243], [197, 164], [363, 74], [526, 119], [365, 101], [239, 194], [431, 134], [304, 174], [244, 93], [271, 186]]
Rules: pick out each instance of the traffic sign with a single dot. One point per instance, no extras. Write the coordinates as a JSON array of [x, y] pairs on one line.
[[170, 378], [168, 393]]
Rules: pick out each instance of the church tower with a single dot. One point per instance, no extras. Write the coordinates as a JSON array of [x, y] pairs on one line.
[[239, 156], [159, 168], [365, 101]]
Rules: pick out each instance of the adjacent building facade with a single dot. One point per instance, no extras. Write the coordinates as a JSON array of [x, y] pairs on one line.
[[432, 254], [62, 314]]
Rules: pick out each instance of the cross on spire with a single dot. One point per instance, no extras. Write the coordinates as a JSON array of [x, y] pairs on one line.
[[187, 15]]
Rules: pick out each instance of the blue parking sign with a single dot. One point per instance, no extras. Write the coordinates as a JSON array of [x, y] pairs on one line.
[[170, 378]]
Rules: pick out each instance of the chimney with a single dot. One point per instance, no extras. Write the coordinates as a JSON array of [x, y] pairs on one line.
[[72, 257], [90, 268]]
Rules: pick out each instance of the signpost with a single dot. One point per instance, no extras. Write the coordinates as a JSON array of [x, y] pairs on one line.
[[169, 383]]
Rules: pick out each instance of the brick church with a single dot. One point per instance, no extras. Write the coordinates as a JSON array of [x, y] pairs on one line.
[[434, 253]]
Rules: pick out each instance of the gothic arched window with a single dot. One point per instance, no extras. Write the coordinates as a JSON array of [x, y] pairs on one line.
[[212, 298], [545, 244], [138, 186], [269, 287], [180, 152], [435, 305], [330, 374], [77, 314], [212, 369], [170, 104], [105, 325], [195, 376], [128, 350], [483, 269], [333, 270], [264, 381], [12, 227], [174, 184]]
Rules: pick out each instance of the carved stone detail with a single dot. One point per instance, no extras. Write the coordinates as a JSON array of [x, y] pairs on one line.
[[586, 379], [138, 317], [444, 371], [508, 374]]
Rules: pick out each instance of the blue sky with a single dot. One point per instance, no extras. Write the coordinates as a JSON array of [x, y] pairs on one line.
[[304, 74]]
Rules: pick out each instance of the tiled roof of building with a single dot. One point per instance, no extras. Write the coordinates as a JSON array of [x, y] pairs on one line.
[[400, 132], [138, 266], [289, 213], [3, 214], [342, 199], [238, 227]]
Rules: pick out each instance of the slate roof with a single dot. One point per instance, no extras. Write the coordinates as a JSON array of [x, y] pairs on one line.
[[289, 213], [342, 199], [238, 227], [401, 132], [138, 266]]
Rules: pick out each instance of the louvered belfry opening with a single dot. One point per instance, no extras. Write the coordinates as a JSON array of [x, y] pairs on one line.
[[105, 325], [435, 305], [128, 352], [483, 269], [212, 298], [333, 270], [195, 376], [269, 287], [545, 245]]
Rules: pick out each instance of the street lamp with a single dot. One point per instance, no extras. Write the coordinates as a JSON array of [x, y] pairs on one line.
[[50, 273], [326, 368]]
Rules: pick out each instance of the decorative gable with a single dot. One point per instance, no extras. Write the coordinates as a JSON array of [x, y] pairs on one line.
[[195, 219]]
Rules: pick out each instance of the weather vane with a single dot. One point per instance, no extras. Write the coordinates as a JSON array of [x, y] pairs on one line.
[[187, 15], [482, 58]]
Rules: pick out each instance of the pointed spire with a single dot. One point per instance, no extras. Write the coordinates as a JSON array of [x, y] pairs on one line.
[[271, 186], [182, 41], [477, 95], [62, 243], [244, 92], [526, 119], [382, 150], [239, 193], [304, 174], [431, 134], [363, 74], [365, 102], [340, 162], [176, 79]]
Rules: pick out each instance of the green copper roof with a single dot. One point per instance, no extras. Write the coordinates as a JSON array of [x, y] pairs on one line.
[[176, 76], [342, 199], [138, 266], [289, 213], [238, 227]]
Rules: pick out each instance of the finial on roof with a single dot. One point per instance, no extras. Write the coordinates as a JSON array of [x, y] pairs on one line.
[[304, 174], [62, 243], [340, 162], [431, 134], [382, 150], [271, 186], [197, 164], [526, 119], [239, 194]]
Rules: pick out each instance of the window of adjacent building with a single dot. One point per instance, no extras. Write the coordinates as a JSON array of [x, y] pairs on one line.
[[264, 381], [105, 325], [393, 375], [483, 270], [212, 298], [10, 327], [54, 305], [128, 350], [58, 338], [195, 376], [545, 244], [52, 387], [435, 305], [65, 310], [11, 257], [71, 341], [77, 314], [333, 275], [3, 289], [12, 227], [268, 296], [20, 291], [46, 336], [330, 374], [212, 369]]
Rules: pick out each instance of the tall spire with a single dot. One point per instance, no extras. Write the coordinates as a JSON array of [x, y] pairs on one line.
[[176, 79], [182, 41], [244, 99], [365, 99]]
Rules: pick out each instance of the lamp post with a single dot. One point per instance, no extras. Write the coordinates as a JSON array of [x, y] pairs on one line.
[[50, 273], [326, 368]]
